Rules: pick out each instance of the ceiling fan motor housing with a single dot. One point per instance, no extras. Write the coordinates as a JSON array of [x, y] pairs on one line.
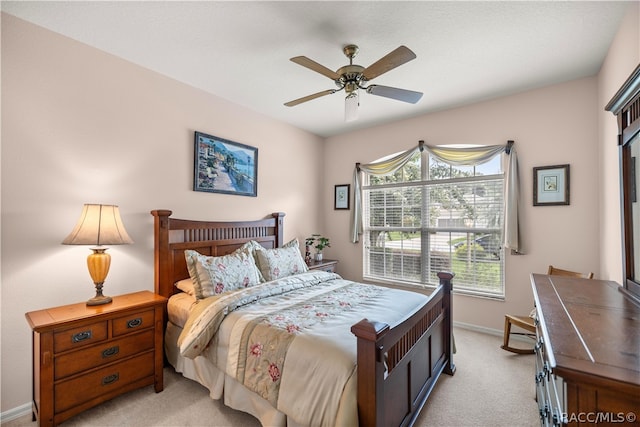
[[350, 76]]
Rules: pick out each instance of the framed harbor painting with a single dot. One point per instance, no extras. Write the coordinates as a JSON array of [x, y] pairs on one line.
[[223, 166]]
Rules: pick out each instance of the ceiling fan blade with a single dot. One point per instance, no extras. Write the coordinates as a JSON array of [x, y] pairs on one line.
[[395, 93], [314, 66], [309, 97], [388, 62]]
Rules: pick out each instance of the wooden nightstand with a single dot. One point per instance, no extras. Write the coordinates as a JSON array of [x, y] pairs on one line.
[[325, 265], [83, 356]]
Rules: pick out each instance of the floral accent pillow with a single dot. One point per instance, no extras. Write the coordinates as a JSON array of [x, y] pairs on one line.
[[217, 275], [251, 247], [280, 262]]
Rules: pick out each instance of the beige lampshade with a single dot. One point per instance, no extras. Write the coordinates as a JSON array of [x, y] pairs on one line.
[[99, 225]]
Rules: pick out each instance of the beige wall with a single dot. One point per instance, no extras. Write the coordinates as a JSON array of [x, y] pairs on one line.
[[81, 126], [623, 57]]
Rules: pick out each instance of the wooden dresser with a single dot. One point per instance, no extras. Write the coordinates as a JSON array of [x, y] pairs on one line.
[[588, 352], [84, 355]]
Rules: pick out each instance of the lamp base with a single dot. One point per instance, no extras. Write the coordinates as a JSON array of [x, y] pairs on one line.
[[98, 263], [99, 300]]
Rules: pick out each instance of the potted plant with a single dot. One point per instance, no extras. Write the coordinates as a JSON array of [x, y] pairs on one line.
[[319, 242]]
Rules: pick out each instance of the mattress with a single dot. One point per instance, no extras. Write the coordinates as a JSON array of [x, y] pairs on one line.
[[179, 307]]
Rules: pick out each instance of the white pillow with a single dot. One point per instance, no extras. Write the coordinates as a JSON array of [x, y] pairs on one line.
[[217, 275]]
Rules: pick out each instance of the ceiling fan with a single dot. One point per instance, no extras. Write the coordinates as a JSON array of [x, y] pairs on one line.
[[353, 77]]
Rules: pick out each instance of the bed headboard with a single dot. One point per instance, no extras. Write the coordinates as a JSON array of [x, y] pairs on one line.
[[215, 238]]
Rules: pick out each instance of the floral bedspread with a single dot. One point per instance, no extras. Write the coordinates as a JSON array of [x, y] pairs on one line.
[[290, 340], [266, 339], [208, 313]]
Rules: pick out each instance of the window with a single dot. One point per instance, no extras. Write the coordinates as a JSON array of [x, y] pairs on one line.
[[430, 216]]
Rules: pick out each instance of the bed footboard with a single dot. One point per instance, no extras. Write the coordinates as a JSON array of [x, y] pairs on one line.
[[398, 367]]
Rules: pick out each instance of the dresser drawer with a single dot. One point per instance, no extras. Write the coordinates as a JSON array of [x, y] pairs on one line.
[[132, 323], [79, 337], [97, 383], [102, 354]]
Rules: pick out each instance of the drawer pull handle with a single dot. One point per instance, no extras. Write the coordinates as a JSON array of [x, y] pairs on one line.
[[111, 351], [81, 336], [110, 379], [134, 323]]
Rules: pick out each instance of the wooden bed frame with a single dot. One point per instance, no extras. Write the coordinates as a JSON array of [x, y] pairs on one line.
[[397, 366]]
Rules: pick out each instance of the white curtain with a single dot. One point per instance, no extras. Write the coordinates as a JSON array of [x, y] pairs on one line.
[[467, 156]]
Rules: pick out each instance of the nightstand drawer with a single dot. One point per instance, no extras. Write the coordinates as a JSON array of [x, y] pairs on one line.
[[328, 265], [102, 354], [80, 336], [132, 323], [82, 389]]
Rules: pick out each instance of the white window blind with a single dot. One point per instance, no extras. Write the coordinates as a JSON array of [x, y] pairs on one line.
[[430, 216]]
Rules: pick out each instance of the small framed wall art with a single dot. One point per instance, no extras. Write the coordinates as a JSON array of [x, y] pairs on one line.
[[341, 197], [222, 166], [551, 185]]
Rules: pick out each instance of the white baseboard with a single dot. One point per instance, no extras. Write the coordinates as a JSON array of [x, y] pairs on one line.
[[476, 328], [14, 413], [489, 331]]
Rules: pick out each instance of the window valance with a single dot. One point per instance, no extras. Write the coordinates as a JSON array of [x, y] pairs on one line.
[[458, 156]]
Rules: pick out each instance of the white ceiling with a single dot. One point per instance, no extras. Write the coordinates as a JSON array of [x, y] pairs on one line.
[[240, 50]]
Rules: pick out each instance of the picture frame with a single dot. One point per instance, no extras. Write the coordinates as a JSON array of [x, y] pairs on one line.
[[341, 197], [551, 185], [223, 166]]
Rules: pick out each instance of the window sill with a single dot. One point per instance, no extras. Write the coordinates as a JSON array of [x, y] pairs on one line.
[[428, 289]]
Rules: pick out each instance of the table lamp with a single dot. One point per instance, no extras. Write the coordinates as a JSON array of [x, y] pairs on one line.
[[99, 225]]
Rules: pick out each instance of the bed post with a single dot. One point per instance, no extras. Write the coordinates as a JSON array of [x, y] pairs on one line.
[[370, 371], [162, 273], [445, 280], [279, 228]]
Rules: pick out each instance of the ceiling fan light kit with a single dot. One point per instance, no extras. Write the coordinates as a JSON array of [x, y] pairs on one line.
[[351, 104], [353, 77]]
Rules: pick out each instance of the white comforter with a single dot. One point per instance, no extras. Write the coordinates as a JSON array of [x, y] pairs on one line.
[[290, 340]]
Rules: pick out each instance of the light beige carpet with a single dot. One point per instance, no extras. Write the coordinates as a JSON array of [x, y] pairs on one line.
[[491, 387]]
